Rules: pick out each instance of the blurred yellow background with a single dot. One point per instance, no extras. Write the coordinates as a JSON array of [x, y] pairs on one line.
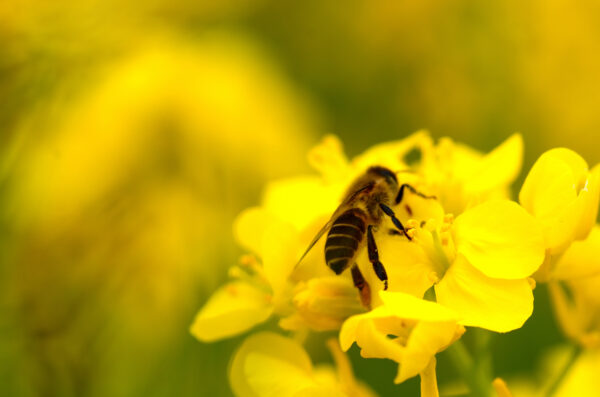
[[132, 133]]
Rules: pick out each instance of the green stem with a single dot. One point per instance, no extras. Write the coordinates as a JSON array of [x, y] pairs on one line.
[[478, 382], [575, 353], [483, 356]]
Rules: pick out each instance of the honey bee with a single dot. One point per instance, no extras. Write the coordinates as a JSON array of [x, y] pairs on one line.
[[367, 201]]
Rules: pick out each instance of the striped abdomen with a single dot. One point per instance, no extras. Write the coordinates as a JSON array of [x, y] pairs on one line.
[[344, 239]]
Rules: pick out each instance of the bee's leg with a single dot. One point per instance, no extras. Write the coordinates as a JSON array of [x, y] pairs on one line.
[[362, 285], [374, 257], [413, 190], [388, 211]]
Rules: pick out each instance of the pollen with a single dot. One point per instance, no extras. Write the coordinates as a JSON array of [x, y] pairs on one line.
[[250, 264], [433, 277], [248, 260], [445, 238], [412, 224], [447, 225]]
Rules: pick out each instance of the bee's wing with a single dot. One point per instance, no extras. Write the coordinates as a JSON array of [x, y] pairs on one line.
[[320, 234], [345, 204]]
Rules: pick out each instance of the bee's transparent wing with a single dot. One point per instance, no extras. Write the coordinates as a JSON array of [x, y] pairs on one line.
[[347, 201], [320, 234]]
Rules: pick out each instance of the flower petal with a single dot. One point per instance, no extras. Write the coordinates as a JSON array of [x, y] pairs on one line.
[[577, 305], [426, 339], [561, 193], [447, 166], [345, 374], [568, 312], [232, 309], [422, 328], [406, 265], [392, 154], [582, 378], [279, 250], [456, 160], [464, 177], [268, 364], [481, 301], [500, 239], [589, 211], [374, 344], [273, 240], [329, 159], [582, 259], [302, 200], [323, 304], [249, 227], [497, 169], [407, 306]]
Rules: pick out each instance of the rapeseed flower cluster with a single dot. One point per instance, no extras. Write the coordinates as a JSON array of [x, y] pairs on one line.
[[470, 258]]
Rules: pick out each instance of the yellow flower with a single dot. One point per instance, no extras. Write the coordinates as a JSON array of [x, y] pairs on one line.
[[268, 364], [459, 176], [496, 246], [579, 379], [419, 330], [562, 193], [276, 232], [574, 290], [323, 304], [582, 378], [262, 287], [580, 260], [232, 309], [462, 177], [481, 262]]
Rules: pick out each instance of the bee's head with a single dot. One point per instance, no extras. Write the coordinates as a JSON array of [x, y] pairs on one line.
[[388, 175]]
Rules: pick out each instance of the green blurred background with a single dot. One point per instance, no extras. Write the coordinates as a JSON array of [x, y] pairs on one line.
[[132, 133]]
